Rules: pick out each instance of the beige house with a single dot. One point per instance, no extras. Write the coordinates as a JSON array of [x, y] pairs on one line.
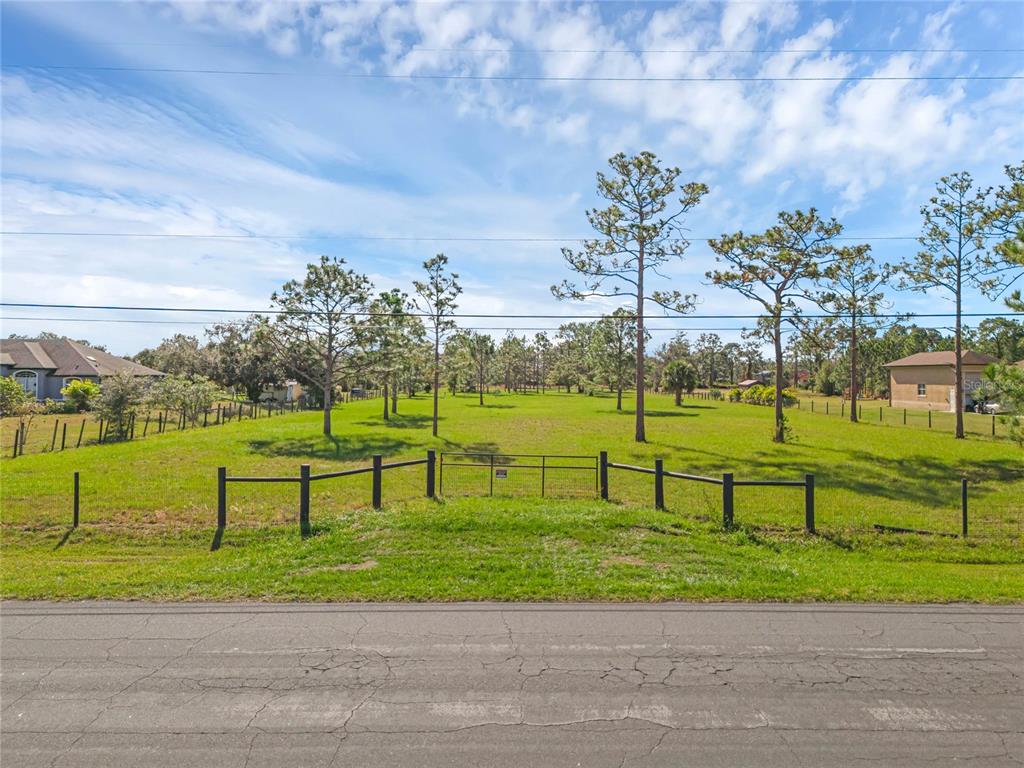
[[928, 379]]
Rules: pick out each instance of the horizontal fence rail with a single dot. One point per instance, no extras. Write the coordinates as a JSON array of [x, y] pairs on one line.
[[727, 481], [306, 478]]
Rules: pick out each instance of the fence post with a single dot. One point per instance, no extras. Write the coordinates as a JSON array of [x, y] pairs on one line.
[[812, 406], [53, 440], [64, 436], [809, 502], [74, 517], [879, 414], [603, 474], [491, 490], [963, 506], [727, 492], [206, 415], [904, 417], [826, 407], [145, 426], [378, 459], [431, 465], [543, 474], [929, 418], [304, 498], [842, 408], [993, 425], [100, 440], [222, 497], [659, 484], [81, 433], [17, 439]]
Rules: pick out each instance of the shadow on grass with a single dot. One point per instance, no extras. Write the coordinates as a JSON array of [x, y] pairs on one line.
[[682, 411], [334, 448], [218, 537], [399, 421], [64, 538]]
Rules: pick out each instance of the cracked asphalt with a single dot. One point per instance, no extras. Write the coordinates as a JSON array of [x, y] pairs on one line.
[[143, 684]]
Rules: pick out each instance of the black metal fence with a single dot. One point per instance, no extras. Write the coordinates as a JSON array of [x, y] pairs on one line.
[[519, 474], [306, 478], [727, 482]]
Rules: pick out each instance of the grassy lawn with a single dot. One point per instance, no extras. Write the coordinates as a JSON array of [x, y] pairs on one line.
[[148, 511]]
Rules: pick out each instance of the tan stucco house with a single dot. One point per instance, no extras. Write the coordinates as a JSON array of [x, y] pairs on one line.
[[928, 379]]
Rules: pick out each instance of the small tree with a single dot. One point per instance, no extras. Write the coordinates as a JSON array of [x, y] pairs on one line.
[[242, 356], [615, 349], [638, 236], [385, 341], [121, 397], [680, 375], [81, 394], [12, 396], [952, 258], [480, 347], [852, 290], [774, 270], [315, 325], [1007, 385], [707, 348], [436, 298], [188, 395]]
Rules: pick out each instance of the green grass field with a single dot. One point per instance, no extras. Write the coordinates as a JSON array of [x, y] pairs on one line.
[[148, 511]]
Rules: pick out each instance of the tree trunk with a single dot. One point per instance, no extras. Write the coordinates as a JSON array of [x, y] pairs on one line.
[[958, 363], [853, 367], [386, 417], [618, 399], [641, 434], [327, 402], [394, 395], [780, 431], [437, 373], [679, 397]]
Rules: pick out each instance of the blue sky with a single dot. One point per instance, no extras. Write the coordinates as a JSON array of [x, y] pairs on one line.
[[339, 158]]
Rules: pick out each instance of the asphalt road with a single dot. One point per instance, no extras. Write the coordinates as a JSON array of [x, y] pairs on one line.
[[136, 684]]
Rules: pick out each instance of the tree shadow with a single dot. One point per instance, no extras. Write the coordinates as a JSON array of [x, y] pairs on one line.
[[495, 405], [332, 448], [400, 421], [662, 414]]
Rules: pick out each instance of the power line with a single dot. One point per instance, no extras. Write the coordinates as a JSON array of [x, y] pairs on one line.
[[212, 322], [493, 315], [381, 238], [640, 51], [524, 78]]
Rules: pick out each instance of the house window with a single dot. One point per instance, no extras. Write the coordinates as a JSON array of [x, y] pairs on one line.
[[921, 390], [28, 380]]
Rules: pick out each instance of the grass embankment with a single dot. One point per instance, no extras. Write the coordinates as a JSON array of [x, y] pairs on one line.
[[148, 512]]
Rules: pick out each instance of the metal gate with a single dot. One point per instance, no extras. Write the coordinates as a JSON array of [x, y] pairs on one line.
[[517, 474]]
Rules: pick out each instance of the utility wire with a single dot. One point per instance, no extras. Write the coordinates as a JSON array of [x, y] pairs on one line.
[[525, 78], [383, 238], [497, 315]]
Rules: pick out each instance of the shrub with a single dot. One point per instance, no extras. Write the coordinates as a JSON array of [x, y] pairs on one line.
[[715, 394], [121, 396], [12, 396], [81, 395], [190, 395], [761, 394]]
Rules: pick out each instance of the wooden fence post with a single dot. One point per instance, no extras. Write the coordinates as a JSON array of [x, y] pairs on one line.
[[64, 436], [963, 506], [81, 433], [304, 498], [100, 440], [378, 459], [222, 497], [904, 417], [727, 494], [659, 484], [809, 502], [17, 440], [929, 418], [74, 514], [53, 440], [145, 426], [603, 474], [490, 490], [431, 467], [993, 425]]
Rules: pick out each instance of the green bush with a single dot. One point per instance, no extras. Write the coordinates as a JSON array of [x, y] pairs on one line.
[[80, 395], [761, 394], [12, 396], [715, 394], [735, 395]]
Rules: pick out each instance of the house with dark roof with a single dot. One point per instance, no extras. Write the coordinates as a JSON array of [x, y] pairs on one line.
[[45, 366], [928, 379]]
